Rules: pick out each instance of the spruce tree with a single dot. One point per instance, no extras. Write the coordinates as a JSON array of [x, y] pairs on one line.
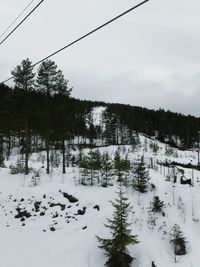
[[106, 169], [121, 237], [140, 176], [157, 204], [118, 165], [178, 241]]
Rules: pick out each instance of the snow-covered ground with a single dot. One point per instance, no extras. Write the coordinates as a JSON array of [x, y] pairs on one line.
[[60, 233]]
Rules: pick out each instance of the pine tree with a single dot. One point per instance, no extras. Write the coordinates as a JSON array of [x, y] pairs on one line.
[[178, 241], [141, 176], [24, 76], [46, 83], [24, 80], [1, 152], [116, 247], [62, 112], [61, 85]]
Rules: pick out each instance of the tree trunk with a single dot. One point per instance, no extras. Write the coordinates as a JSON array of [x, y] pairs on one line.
[[1, 151], [63, 154], [47, 151], [26, 171]]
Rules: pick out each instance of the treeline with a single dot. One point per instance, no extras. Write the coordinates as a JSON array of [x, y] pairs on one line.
[[174, 128], [38, 113]]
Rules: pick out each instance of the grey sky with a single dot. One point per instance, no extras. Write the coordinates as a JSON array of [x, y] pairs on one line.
[[149, 58]]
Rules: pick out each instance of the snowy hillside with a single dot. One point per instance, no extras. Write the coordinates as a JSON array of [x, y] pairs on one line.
[[54, 221]]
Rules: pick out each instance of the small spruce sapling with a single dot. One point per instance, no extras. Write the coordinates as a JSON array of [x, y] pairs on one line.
[[157, 204], [116, 247], [178, 241], [140, 176], [106, 169]]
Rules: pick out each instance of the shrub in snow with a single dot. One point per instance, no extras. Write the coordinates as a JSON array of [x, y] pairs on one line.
[[55, 159], [90, 166], [151, 219], [35, 179], [169, 151], [41, 158], [2, 165], [135, 142], [17, 168], [116, 247], [157, 204], [154, 147], [178, 241]]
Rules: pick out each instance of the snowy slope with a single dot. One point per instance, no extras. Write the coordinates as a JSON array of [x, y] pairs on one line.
[[31, 242]]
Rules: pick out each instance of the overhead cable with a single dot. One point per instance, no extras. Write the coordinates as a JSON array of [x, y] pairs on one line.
[[87, 34]]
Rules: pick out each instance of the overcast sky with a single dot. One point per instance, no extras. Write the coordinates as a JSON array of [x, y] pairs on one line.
[[149, 58]]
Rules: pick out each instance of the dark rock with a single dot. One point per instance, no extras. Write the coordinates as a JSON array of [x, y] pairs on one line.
[[96, 207], [62, 206], [52, 229], [22, 213], [22, 219], [37, 205], [22, 199], [42, 213], [71, 198], [85, 227], [81, 212]]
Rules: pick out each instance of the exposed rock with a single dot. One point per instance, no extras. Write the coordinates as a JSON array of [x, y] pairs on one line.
[[22, 213], [71, 198], [81, 212], [62, 206], [37, 205], [96, 207]]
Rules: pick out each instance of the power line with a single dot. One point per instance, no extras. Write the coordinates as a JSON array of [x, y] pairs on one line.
[[87, 34], [22, 12], [22, 21]]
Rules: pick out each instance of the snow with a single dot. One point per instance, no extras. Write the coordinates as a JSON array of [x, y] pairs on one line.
[[34, 244]]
